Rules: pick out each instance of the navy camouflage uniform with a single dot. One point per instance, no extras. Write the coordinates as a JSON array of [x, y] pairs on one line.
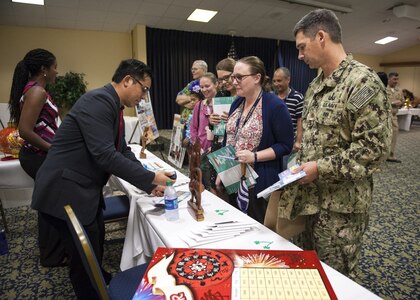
[[347, 130], [394, 94]]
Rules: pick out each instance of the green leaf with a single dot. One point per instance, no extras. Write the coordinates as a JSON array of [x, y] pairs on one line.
[[67, 89]]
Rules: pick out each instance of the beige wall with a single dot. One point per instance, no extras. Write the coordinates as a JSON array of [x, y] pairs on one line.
[[95, 53], [369, 60], [410, 54], [98, 53], [409, 76], [139, 43]]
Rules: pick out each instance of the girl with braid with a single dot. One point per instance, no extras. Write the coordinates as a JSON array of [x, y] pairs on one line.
[[35, 114]]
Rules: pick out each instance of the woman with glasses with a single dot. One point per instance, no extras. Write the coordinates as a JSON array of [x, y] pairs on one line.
[[224, 70], [260, 129], [200, 123]]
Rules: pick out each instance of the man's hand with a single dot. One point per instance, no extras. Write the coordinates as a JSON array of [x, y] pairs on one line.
[[397, 103], [296, 147], [158, 191], [311, 170], [162, 177]]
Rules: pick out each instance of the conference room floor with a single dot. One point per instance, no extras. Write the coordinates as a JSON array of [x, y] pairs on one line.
[[389, 264]]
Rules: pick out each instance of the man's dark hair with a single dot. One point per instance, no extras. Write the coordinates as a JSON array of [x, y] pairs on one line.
[[132, 67], [383, 77], [320, 19], [393, 74]]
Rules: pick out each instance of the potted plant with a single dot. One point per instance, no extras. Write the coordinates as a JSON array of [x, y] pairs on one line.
[[67, 90]]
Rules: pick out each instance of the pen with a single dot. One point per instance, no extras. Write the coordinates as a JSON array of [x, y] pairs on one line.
[[157, 164], [226, 222], [228, 157]]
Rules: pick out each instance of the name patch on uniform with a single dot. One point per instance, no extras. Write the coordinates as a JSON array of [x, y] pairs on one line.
[[362, 96]]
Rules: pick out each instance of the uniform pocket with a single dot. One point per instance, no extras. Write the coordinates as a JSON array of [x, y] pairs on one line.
[[330, 115], [330, 121]]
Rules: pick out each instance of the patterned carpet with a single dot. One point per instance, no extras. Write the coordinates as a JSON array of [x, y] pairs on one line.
[[390, 261], [389, 267]]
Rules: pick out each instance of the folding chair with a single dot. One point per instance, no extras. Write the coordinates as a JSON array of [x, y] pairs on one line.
[[123, 285]]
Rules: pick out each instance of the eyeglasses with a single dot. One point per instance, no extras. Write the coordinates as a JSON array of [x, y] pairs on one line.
[[224, 78], [143, 87], [239, 77]]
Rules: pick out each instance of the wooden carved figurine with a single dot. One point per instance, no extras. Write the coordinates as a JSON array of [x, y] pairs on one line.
[[144, 141], [196, 186]]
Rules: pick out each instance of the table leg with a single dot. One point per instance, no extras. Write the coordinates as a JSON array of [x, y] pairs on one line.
[[404, 122]]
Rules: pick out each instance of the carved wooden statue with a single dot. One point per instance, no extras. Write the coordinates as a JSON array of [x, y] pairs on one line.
[[144, 141], [196, 186]]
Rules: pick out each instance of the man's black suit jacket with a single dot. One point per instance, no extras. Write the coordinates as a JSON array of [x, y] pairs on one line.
[[82, 157]]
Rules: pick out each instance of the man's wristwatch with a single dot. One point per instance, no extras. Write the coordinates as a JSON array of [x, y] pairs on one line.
[[255, 156]]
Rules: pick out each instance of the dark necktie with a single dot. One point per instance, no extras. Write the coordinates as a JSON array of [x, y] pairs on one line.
[[120, 129]]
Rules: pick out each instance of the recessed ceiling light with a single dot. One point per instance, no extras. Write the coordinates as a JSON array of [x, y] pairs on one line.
[[36, 2], [386, 40], [202, 15]]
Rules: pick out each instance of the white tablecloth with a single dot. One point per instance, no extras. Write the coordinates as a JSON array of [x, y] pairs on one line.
[[404, 117], [148, 229], [4, 114], [15, 185]]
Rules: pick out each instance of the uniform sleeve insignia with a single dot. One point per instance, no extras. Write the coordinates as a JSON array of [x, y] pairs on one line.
[[362, 96]]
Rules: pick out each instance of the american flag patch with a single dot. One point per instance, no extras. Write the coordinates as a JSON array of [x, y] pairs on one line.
[[362, 97]]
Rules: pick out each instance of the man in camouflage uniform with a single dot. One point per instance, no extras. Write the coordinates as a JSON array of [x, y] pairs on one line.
[[346, 135], [396, 99]]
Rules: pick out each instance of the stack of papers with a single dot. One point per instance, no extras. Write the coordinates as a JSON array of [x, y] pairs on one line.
[[285, 177], [214, 232], [229, 169]]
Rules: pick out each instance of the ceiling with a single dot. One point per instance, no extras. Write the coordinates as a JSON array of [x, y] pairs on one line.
[[369, 21]]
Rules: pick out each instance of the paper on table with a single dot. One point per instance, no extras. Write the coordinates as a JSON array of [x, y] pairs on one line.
[[153, 166], [230, 224], [214, 232], [226, 229], [182, 195], [219, 233], [192, 243]]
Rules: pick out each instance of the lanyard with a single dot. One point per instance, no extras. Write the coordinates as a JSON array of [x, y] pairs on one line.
[[248, 115]]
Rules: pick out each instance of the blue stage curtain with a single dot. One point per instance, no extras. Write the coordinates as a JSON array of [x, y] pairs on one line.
[[170, 54], [301, 74]]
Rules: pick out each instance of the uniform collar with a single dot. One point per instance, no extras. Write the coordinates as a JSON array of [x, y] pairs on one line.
[[332, 80]]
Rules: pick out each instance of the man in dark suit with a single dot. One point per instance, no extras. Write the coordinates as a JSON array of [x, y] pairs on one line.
[[90, 146]]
